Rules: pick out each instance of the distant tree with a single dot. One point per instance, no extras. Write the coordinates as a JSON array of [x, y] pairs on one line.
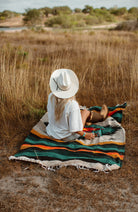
[[33, 17], [77, 10], [87, 9], [133, 10], [7, 14], [103, 8], [119, 11], [47, 11], [61, 10]]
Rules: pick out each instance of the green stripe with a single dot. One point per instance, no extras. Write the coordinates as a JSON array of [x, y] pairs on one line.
[[104, 130], [75, 145], [117, 117], [66, 155]]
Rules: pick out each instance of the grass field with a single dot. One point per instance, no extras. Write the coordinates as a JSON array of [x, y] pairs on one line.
[[106, 63]]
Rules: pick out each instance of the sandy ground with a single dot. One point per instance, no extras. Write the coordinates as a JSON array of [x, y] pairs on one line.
[[31, 188], [13, 22]]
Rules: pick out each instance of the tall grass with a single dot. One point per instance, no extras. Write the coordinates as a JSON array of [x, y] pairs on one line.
[[105, 62]]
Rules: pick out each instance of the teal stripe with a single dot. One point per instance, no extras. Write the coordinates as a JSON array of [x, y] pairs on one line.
[[66, 155], [118, 117], [104, 130], [75, 145]]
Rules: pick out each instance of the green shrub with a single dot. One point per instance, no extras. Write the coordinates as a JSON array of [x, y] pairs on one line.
[[119, 11], [103, 8], [80, 23], [109, 17], [61, 10], [47, 11], [33, 17], [64, 21], [2, 18], [129, 16], [87, 9], [133, 13], [91, 20], [103, 15], [8, 14], [133, 10], [77, 10]]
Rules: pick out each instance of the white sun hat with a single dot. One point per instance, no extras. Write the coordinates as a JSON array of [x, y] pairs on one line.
[[64, 83]]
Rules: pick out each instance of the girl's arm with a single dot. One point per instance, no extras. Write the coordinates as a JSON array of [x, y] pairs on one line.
[[86, 135]]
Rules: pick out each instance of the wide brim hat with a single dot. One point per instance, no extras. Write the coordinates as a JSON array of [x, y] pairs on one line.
[[64, 83]]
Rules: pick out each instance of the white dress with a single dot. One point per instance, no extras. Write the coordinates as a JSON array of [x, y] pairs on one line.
[[69, 123]]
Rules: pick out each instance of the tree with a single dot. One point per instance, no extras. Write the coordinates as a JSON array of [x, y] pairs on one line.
[[77, 10], [87, 9], [133, 10], [61, 10], [119, 11], [33, 17], [47, 11], [6, 14]]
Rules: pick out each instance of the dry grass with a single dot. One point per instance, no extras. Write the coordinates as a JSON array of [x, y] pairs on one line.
[[106, 64]]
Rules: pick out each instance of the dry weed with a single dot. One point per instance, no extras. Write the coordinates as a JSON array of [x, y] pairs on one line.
[[106, 64]]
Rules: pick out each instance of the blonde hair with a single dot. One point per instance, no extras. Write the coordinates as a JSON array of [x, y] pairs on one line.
[[60, 105]]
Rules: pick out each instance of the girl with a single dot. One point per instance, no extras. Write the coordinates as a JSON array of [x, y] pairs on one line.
[[66, 120]]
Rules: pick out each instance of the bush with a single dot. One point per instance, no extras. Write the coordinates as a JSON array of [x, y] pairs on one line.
[[119, 11], [91, 20], [46, 11], [80, 23], [103, 15], [33, 17], [61, 10], [103, 8], [64, 21], [133, 10], [7, 14], [67, 21], [129, 16], [77, 10], [2, 18], [87, 9], [128, 26]]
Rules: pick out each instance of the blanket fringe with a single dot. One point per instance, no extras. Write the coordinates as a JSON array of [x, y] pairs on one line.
[[105, 168]]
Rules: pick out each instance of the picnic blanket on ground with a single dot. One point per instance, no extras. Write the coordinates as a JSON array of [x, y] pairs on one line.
[[105, 152]]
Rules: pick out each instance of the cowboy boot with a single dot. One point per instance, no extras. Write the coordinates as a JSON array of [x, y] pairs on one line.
[[98, 116]]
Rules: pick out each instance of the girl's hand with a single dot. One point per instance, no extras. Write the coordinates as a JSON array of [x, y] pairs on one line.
[[89, 136]]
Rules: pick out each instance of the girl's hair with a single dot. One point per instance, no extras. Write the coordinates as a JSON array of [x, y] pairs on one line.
[[60, 105]]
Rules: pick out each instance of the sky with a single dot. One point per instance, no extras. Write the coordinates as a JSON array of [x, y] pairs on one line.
[[20, 6]]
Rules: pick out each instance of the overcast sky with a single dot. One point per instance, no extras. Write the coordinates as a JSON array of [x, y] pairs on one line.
[[20, 6]]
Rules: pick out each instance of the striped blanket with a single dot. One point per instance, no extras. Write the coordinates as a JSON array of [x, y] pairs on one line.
[[105, 152]]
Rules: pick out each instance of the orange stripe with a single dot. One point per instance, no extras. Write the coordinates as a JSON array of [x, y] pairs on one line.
[[100, 143], [110, 113], [44, 136], [117, 109], [112, 154]]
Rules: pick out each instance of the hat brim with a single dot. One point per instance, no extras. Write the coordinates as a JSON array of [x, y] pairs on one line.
[[73, 88]]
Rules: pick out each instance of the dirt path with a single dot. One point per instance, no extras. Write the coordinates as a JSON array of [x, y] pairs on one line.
[[105, 26]]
